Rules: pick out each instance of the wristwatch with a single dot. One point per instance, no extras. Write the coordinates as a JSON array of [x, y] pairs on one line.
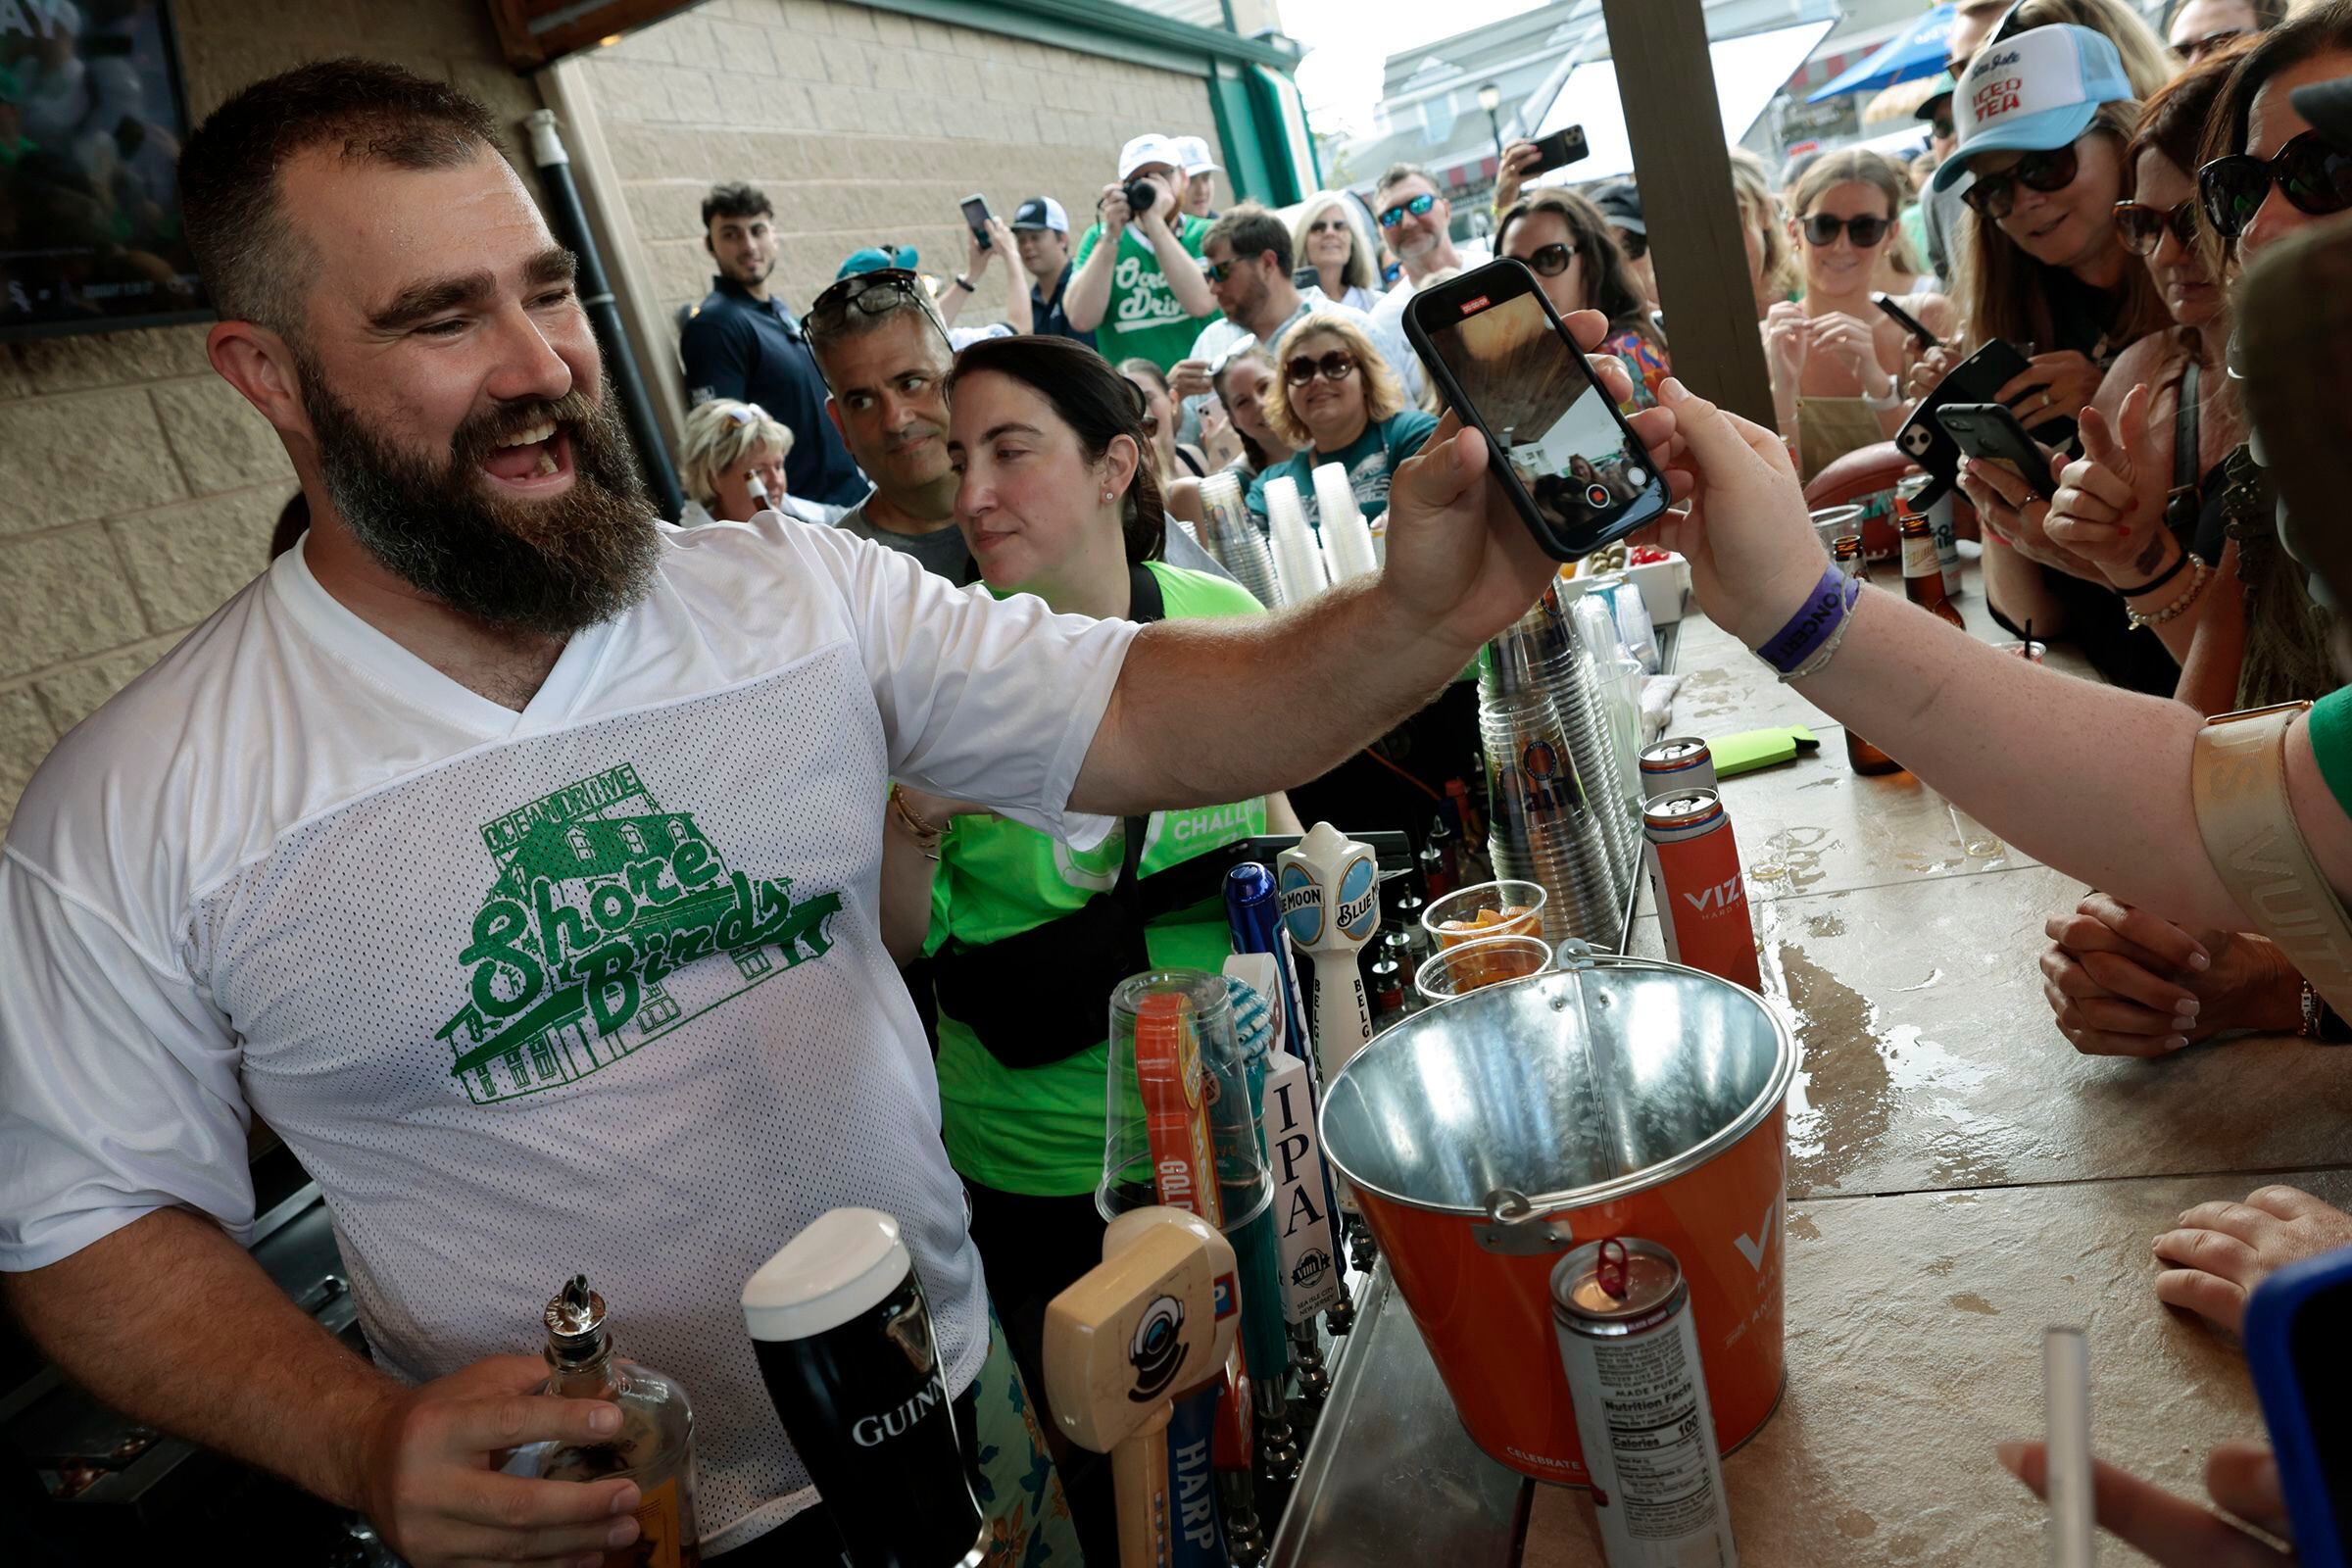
[[2322, 1023]]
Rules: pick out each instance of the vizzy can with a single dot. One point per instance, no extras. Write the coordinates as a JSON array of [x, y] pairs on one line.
[[1622, 1309], [1677, 765], [1701, 897]]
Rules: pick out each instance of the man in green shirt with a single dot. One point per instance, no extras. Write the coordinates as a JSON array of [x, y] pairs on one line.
[[1139, 286]]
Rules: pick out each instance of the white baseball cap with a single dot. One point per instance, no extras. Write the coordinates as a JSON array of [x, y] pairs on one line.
[[1196, 155], [1150, 148], [2035, 92]]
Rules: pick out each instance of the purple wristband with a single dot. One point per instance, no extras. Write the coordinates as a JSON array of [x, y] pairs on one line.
[[1788, 649]]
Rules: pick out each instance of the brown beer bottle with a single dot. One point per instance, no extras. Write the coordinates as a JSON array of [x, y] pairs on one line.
[[1860, 754], [1923, 573]]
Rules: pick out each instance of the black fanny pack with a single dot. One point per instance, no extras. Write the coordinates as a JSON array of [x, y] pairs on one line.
[[1044, 996]]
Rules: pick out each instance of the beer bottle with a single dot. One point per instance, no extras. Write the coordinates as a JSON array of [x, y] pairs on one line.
[[1923, 571], [655, 1445], [1860, 754]]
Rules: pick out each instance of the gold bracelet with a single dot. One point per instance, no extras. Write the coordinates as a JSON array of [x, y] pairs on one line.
[[926, 839]]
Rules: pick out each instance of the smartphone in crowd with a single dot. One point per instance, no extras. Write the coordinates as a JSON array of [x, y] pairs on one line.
[[977, 215], [1979, 378], [2298, 1337], [1991, 433], [1573, 468], [1907, 322], [1305, 277], [1561, 148]]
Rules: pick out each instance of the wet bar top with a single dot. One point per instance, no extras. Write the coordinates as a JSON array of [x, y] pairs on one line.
[[1959, 1176]]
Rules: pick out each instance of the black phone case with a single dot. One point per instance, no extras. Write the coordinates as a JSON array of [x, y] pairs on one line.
[[1639, 513], [1991, 433], [1979, 378]]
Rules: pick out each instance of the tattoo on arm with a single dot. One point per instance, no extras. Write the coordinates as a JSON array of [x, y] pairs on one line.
[[2146, 565]]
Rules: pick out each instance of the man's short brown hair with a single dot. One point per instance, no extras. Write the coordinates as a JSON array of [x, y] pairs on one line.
[[250, 259], [1397, 173], [1251, 231]]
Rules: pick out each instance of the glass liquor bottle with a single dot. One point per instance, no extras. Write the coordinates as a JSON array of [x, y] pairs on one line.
[[1860, 754], [654, 1446]]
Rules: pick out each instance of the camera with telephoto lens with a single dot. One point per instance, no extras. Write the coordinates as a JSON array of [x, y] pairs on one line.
[[1139, 194]]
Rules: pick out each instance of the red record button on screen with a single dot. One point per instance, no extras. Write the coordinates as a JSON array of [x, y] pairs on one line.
[[1599, 495]]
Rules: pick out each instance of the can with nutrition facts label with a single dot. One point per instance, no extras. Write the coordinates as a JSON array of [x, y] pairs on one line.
[[1694, 878], [1622, 1309], [1677, 765]]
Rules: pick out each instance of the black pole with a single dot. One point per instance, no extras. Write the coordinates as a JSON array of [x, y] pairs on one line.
[[603, 315]]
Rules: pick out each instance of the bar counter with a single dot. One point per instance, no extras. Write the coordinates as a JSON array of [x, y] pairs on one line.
[[1959, 1177]]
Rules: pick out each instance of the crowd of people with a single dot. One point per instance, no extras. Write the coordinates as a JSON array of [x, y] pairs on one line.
[[995, 783]]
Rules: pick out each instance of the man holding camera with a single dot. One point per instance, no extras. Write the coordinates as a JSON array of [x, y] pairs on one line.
[[1139, 286]]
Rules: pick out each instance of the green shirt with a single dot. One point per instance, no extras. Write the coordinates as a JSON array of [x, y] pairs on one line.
[[2329, 724], [1143, 319], [1039, 1130]]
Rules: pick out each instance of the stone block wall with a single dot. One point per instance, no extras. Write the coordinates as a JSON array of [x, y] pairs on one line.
[[137, 489], [866, 127]]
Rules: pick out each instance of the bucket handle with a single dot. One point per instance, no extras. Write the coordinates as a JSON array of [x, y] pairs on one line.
[[1513, 1229]]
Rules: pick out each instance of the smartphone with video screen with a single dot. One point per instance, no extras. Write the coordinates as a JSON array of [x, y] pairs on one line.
[[1979, 378], [1561, 148], [2298, 1337], [1569, 463], [1991, 433], [976, 215]]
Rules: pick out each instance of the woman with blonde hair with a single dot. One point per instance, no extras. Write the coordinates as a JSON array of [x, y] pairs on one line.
[[1331, 240], [727, 447], [1771, 264], [1339, 402], [1836, 360], [1565, 240]]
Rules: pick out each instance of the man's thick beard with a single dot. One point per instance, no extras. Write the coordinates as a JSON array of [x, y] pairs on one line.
[[550, 568]]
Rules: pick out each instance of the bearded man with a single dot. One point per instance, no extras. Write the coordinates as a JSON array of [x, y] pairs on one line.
[[516, 857]]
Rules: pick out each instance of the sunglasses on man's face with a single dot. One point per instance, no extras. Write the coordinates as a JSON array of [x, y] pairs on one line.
[[1216, 272], [2311, 173], [1551, 260], [1942, 127], [1822, 230], [1418, 206], [1333, 367], [2142, 226], [1995, 195]]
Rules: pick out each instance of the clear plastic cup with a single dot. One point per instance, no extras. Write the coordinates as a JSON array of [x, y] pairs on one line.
[[1468, 966], [1498, 908], [1177, 1128]]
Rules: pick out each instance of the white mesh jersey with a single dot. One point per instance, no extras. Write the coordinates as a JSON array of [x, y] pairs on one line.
[[594, 987]]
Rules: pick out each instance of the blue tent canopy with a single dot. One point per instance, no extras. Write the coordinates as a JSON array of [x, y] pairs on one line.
[[1916, 52]]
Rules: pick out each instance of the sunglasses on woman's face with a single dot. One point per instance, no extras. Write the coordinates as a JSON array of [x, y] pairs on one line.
[[2310, 172], [2142, 226], [1995, 195], [1335, 367], [1551, 260], [1328, 225], [1823, 228], [1418, 206]]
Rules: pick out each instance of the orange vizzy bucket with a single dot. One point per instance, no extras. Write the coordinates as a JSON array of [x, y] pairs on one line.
[[1488, 1136]]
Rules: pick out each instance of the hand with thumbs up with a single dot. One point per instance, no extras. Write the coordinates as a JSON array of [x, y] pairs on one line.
[[2110, 504]]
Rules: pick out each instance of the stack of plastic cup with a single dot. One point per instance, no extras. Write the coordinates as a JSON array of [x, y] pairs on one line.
[[1346, 538], [1298, 559], [1227, 532], [1177, 1128], [1549, 782], [1614, 687]]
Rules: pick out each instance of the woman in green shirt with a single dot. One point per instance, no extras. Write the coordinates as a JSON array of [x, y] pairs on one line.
[[1056, 498], [1339, 402]]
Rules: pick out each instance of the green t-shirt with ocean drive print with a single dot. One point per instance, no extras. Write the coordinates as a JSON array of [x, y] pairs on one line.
[[1039, 1130], [1143, 319]]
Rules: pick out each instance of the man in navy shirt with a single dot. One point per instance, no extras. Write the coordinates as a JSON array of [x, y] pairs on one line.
[[742, 343], [1042, 232]]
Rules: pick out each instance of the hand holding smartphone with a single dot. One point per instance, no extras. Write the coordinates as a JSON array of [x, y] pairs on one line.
[[976, 215], [1559, 150], [1907, 322], [1991, 433], [1572, 467]]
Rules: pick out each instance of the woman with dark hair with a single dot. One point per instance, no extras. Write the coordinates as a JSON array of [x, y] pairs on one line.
[[1028, 937], [1564, 239]]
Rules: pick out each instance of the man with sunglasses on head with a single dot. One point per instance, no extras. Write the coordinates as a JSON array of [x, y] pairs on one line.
[[885, 354], [1137, 288]]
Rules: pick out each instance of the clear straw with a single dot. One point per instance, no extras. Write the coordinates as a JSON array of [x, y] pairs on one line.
[[2066, 1417]]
